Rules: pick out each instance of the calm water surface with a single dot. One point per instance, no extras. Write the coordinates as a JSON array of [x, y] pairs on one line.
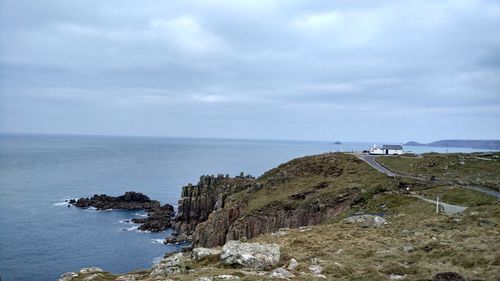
[[40, 237]]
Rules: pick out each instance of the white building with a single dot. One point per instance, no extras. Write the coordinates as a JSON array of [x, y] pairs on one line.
[[387, 149]]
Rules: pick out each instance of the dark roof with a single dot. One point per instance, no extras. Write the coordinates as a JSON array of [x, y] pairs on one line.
[[393, 147]]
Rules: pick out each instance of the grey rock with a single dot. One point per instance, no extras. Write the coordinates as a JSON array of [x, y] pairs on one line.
[[67, 276], [202, 253], [408, 249], [169, 266], [316, 269], [281, 273], [293, 264], [366, 220], [89, 270], [252, 255]]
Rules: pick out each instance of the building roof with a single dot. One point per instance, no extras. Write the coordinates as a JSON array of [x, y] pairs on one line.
[[393, 147]]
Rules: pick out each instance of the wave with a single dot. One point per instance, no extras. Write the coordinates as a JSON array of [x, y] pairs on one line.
[[158, 241], [156, 260], [141, 214], [132, 228], [63, 202], [126, 221]]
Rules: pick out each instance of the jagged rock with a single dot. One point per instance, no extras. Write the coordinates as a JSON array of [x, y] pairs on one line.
[[281, 273], [209, 194], [67, 276], [181, 238], [366, 220], [89, 270], [129, 201], [158, 219], [293, 264], [202, 253], [171, 265], [252, 255]]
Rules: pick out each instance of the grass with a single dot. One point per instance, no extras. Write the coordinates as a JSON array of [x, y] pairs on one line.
[[416, 242], [305, 174], [458, 196], [472, 168], [438, 244]]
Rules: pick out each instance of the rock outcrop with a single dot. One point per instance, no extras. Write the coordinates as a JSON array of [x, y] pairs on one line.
[[251, 255], [228, 223], [129, 201], [199, 201], [169, 266], [216, 210], [159, 217], [201, 253]]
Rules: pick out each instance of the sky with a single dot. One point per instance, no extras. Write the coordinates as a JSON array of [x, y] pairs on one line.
[[306, 70]]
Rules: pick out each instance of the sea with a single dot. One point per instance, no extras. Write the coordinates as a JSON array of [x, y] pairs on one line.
[[41, 238]]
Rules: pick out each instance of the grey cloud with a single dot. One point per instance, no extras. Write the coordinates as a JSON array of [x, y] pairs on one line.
[[259, 63]]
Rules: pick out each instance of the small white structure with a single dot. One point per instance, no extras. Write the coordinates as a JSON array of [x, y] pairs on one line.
[[387, 149]]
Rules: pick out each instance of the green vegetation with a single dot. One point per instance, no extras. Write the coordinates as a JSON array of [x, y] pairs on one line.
[[462, 168], [458, 196], [415, 242], [319, 177]]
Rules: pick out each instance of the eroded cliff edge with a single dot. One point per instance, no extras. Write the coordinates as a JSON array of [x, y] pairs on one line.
[[305, 191]]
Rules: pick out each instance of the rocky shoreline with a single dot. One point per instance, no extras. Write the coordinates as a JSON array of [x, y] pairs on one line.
[[312, 218], [159, 217]]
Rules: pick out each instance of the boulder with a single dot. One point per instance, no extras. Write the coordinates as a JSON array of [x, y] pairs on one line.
[[281, 273], [201, 253], [293, 264], [171, 265], [366, 220], [252, 255]]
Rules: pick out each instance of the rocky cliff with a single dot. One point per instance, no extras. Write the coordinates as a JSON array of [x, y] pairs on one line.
[[209, 194], [304, 191]]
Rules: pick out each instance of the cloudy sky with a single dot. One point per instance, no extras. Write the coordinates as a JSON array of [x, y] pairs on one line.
[[318, 70]]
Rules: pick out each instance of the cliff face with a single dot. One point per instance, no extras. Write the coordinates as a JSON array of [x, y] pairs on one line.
[[229, 223], [305, 191], [198, 201]]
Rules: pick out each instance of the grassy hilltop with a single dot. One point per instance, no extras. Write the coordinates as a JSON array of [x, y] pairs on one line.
[[415, 244]]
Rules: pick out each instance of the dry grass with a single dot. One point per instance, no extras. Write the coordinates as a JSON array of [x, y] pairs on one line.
[[471, 168]]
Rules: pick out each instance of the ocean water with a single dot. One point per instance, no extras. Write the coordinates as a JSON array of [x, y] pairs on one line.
[[41, 238]]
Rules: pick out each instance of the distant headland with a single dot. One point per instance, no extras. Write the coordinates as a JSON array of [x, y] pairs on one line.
[[479, 144]]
